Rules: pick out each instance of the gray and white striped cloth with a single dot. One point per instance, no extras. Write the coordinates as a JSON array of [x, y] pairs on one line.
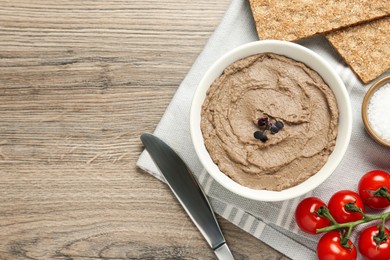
[[271, 222]]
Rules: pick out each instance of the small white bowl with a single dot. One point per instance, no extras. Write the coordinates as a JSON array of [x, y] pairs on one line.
[[312, 60]]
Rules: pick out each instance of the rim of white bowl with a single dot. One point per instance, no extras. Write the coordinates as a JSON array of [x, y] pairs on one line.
[[312, 60]]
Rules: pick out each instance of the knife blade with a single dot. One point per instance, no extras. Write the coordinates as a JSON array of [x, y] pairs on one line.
[[189, 193]]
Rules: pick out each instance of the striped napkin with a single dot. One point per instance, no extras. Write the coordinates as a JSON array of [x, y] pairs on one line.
[[271, 222]]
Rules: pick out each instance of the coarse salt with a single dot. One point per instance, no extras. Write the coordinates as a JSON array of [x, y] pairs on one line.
[[378, 112]]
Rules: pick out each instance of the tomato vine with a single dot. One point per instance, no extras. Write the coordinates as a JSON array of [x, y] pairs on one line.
[[346, 210]]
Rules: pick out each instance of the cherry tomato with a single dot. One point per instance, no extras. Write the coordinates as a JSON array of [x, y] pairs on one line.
[[306, 217], [338, 202], [371, 182], [330, 248], [368, 247]]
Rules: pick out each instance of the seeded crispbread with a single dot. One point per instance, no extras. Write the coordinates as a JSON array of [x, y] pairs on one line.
[[365, 47], [296, 19]]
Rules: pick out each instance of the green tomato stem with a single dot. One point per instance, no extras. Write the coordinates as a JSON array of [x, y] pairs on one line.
[[323, 211], [381, 192], [345, 237], [353, 208], [383, 226], [381, 237], [351, 225]]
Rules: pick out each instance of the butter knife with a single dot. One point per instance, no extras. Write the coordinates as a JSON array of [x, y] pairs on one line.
[[189, 193]]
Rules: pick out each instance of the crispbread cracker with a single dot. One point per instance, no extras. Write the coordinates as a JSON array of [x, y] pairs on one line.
[[365, 47], [296, 19]]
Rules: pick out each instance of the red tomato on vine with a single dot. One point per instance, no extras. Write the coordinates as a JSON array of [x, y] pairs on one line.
[[329, 248], [375, 247], [340, 202], [306, 217], [374, 189]]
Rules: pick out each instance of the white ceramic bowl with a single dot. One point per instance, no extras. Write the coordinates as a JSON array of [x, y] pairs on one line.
[[312, 60]]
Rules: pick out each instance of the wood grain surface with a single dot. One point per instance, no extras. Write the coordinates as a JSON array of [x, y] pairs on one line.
[[79, 82]]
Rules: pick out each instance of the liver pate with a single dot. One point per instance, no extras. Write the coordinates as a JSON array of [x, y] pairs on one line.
[[285, 90]]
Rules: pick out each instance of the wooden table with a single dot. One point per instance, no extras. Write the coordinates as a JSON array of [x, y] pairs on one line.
[[79, 82]]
